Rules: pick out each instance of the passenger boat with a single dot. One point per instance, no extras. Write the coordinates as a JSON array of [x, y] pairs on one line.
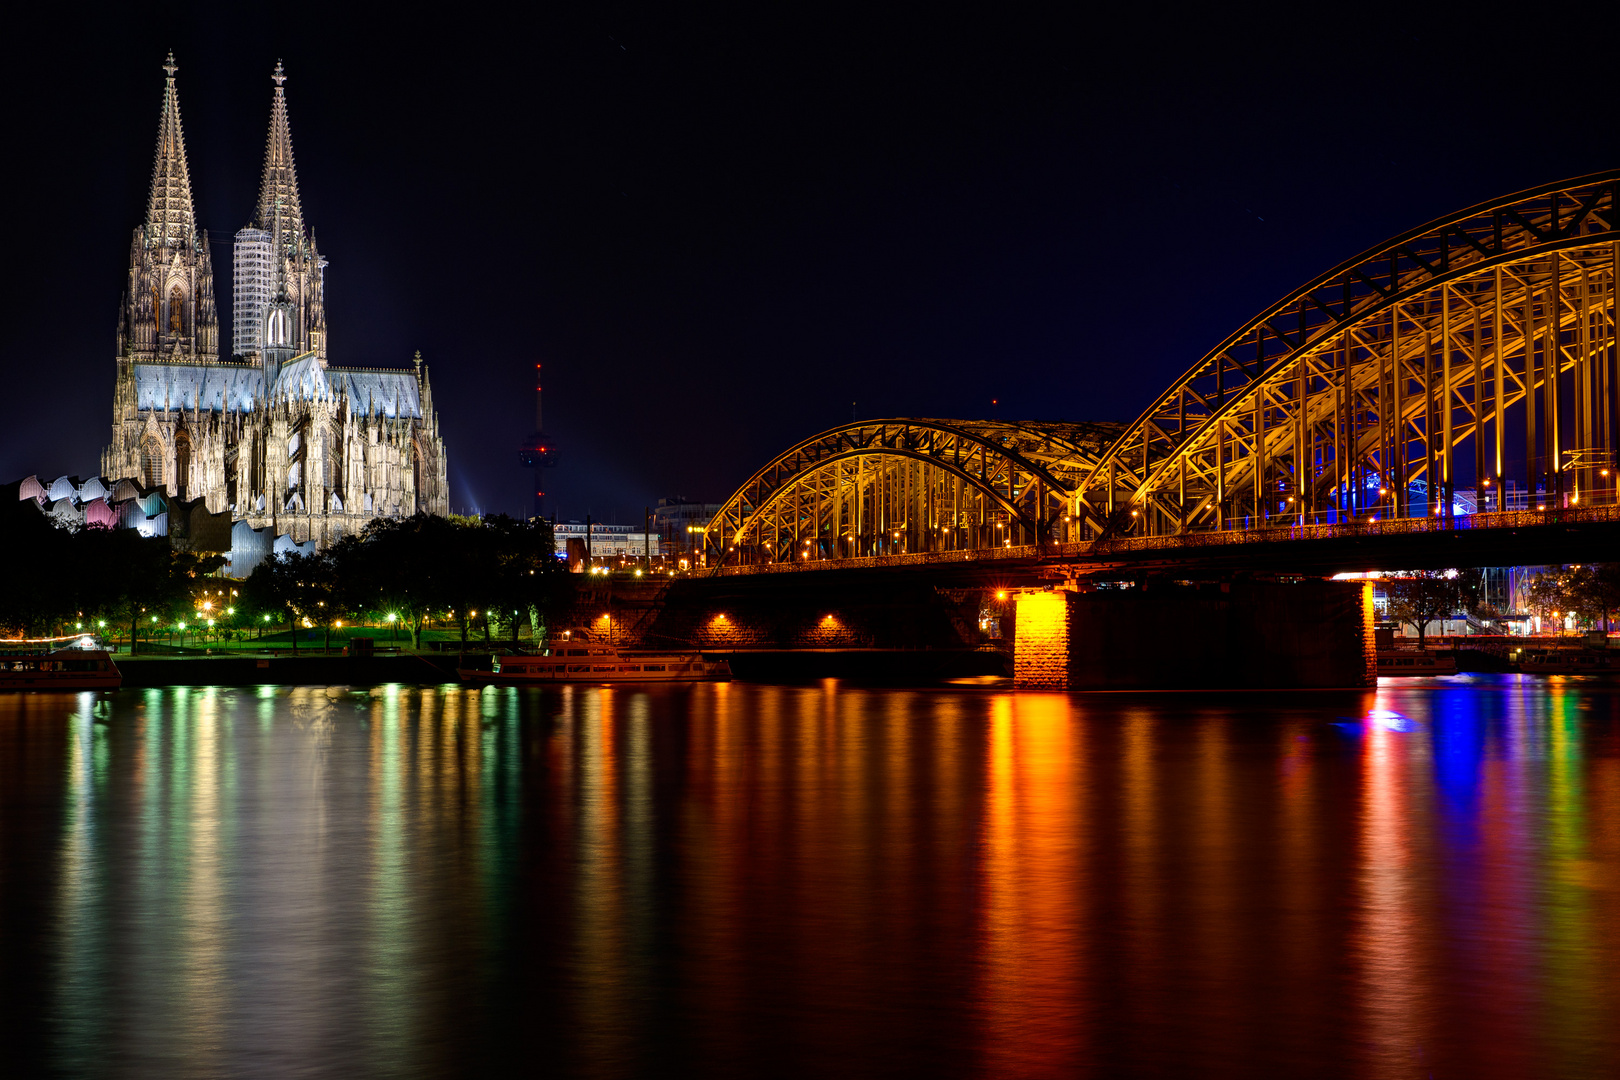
[[598, 663], [1568, 662], [53, 665], [1411, 662]]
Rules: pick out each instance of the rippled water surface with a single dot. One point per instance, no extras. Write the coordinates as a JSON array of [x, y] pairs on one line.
[[773, 881]]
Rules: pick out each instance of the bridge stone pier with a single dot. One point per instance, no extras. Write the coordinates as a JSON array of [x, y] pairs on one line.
[[1240, 634], [894, 624]]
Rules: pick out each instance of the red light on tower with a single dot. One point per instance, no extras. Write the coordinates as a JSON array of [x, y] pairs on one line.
[[537, 452]]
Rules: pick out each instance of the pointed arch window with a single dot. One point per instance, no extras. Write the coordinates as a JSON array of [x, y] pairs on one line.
[[151, 464], [177, 310], [182, 462], [276, 328], [416, 472]]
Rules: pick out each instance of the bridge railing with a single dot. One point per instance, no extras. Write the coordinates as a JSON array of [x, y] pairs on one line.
[[1367, 526], [1465, 504], [913, 558], [1548, 513]]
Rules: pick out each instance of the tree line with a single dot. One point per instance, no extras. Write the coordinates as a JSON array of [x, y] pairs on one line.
[[416, 568], [60, 581], [1590, 593]]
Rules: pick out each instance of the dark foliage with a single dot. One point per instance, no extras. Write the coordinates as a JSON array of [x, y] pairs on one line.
[[56, 577], [417, 567]]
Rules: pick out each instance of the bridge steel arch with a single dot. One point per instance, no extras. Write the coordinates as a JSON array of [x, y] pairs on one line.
[[1474, 357], [879, 487]]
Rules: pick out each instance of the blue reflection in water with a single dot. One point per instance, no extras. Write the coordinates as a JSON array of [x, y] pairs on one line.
[[1460, 720], [1383, 719]]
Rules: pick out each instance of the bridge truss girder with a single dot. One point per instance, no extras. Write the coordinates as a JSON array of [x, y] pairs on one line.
[[906, 485], [1428, 361]]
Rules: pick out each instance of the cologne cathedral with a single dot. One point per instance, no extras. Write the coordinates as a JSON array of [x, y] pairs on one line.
[[274, 434]]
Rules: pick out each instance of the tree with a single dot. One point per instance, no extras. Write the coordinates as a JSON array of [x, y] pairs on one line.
[[1591, 592], [404, 567], [155, 580], [283, 585], [1606, 590], [524, 574], [1547, 593], [1420, 597]]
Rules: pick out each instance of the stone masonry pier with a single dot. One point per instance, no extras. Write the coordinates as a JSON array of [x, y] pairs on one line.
[[1239, 634]]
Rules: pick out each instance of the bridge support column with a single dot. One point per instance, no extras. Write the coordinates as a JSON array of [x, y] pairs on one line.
[[1043, 638], [1219, 635]]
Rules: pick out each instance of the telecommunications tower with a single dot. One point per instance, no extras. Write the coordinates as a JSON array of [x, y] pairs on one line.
[[538, 452]]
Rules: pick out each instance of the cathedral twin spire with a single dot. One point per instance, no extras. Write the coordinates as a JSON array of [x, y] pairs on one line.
[[170, 218], [279, 210], [170, 221]]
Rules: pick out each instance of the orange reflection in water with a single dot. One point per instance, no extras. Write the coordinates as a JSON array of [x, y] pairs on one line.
[[1390, 940], [1033, 888]]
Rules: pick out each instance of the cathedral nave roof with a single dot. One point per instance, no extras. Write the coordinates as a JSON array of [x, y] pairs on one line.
[[210, 387], [236, 387], [391, 393]]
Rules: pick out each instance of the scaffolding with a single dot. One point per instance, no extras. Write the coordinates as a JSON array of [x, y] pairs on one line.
[[252, 282]]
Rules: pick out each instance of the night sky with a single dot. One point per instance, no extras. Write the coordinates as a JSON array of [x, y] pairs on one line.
[[719, 231]]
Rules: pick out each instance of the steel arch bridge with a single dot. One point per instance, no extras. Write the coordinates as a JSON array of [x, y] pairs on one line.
[[1464, 367], [888, 487]]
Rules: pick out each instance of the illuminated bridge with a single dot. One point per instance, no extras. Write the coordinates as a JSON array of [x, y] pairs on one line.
[[1456, 383]]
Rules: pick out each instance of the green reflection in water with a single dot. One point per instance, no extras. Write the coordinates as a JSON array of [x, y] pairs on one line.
[[83, 928], [1572, 1001], [389, 986], [499, 788]]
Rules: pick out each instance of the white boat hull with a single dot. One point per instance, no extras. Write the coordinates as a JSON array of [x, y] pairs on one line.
[[598, 665]]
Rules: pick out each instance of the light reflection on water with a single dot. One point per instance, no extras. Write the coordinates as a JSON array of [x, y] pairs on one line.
[[812, 880]]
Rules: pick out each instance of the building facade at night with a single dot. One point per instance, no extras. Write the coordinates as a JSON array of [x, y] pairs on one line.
[[274, 433]]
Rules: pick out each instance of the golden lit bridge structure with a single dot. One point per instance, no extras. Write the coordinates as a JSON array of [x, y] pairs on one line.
[[1459, 377]]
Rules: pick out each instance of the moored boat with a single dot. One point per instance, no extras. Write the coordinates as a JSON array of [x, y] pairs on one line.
[[1568, 662], [47, 665], [598, 663], [1413, 662]]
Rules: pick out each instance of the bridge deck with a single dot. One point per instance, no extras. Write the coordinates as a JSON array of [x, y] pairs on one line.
[[1572, 534]]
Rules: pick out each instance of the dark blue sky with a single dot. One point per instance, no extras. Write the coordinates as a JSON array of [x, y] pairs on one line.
[[717, 231]]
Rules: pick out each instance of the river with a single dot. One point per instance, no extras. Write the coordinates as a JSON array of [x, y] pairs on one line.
[[822, 880]]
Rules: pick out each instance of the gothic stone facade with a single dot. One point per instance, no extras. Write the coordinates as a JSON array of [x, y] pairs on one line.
[[274, 434]]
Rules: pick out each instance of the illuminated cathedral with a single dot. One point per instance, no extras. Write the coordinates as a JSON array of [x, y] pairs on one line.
[[273, 434]]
